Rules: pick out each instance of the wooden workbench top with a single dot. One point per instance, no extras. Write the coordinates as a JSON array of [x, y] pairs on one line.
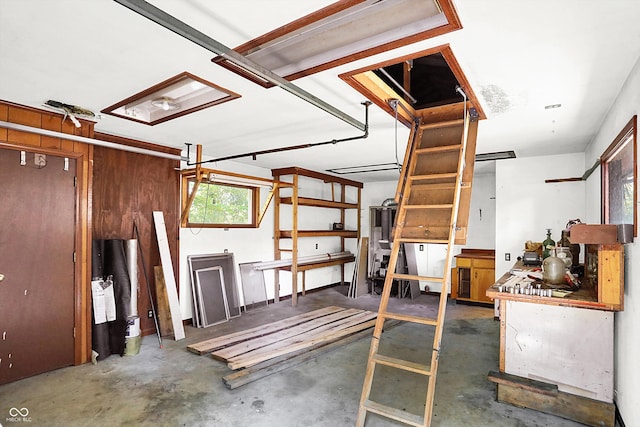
[[583, 298]]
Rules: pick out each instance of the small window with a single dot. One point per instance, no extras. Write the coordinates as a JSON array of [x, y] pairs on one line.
[[222, 205], [619, 179]]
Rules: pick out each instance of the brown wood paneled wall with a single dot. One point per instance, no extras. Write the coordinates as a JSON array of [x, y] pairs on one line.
[[115, 189], [127, 188]]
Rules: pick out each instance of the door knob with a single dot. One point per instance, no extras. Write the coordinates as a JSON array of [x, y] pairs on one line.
[[1, 277]]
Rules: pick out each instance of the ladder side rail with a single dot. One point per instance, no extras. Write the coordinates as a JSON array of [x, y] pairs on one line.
[[386, 290], [442, 305], [410, 150]]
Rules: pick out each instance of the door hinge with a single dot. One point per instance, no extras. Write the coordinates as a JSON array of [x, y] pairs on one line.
[[75, 181], [74, 257], [74, 331]]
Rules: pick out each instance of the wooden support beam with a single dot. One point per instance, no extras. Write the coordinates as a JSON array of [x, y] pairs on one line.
[[267, 202]]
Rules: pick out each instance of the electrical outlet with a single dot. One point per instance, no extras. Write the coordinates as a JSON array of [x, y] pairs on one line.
[[316, 246], [421, 248], [150, 314], [507, 256]]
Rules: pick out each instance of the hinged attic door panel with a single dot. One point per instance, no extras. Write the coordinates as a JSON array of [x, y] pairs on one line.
[[37, 242]]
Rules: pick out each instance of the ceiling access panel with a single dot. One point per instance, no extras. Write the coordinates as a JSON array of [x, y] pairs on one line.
[[343, 32]]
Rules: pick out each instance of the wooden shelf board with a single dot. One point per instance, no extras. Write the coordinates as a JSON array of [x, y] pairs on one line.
[[319, 203], [317, 175], [287, 234], [322, 264]]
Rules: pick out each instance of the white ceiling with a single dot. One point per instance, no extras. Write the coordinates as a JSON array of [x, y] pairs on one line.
[[518, 56]]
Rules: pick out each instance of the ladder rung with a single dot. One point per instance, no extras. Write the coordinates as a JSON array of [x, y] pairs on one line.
[[433, 176], [409, 318], [418, 368], [394, 413], [418, 240], [439, 125], [442, 206], [437, 186], [415, 277], [439, 149]]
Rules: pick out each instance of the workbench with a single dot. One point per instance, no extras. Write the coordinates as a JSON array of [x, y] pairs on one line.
[[557, 354]]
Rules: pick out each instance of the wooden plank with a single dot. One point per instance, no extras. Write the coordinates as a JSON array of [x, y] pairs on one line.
[[169, 277], [286, 361], [523, 383], [233, 351], [327, 337], [577, 408], [212, 344], [162, 303], [361, 285], [278, 364], [611, 275]]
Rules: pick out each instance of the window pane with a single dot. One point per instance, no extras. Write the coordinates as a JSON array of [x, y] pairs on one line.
[[221, 204], [620, 184]]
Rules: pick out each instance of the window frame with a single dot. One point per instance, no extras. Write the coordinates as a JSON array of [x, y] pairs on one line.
[[628, 135], [254, 200]]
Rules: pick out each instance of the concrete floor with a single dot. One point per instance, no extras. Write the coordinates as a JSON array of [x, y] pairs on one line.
[[173, 387]]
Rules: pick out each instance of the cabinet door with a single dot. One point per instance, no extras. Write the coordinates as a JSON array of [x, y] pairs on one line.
[[481, 280]]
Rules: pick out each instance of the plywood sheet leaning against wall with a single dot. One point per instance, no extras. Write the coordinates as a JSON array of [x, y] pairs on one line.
[[169, 277]]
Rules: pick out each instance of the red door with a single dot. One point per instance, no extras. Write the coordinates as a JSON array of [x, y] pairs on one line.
[[37, 243]]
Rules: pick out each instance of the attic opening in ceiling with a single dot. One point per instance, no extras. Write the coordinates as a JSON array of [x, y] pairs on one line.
[[424, 83], [342, 32], [175, 97]]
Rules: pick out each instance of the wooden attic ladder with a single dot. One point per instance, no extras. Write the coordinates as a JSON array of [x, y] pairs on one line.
[[428, 200]]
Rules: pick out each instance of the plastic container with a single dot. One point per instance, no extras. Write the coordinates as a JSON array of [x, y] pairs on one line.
[[553, 270], [132, 337]]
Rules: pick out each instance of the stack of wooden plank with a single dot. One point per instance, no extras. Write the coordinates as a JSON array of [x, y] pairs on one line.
[[257, 352]]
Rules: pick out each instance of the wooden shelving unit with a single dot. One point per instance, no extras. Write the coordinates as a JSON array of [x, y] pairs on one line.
[[293, 176]]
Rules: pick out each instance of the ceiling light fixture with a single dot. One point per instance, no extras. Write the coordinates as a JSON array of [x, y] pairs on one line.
[[177, 96], [165, 103], [498, 155]]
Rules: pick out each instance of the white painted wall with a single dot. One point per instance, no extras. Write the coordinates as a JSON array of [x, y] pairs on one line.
[[627, 322], [482, 214], [526, 206]]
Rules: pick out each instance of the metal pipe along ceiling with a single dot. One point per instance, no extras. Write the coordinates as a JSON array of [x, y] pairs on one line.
[[107, 144], [171, 23]]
